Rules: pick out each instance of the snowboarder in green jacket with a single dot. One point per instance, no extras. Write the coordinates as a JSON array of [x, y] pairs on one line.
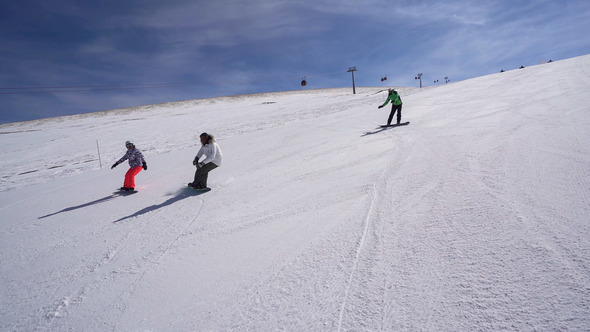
[[396, 105]]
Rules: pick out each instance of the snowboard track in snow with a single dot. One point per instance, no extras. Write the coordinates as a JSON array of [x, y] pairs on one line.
[[156, 256], [88, 281], [361, 243]]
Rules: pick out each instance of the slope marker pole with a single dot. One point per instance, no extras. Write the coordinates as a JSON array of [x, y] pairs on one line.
[[99, 160]]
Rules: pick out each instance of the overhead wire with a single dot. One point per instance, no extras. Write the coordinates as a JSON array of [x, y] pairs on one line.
[[88, 88], [111, 87]]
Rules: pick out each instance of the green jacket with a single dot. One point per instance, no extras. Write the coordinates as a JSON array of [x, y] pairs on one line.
[[395, 99]]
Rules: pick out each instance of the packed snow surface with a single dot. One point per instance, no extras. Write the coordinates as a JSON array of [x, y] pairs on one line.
[[475, 216]]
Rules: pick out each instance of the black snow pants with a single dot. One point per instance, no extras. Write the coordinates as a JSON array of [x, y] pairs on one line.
[[202, 174], [394, 108]]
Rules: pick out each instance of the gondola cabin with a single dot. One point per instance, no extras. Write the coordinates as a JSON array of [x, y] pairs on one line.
[[303, 81]]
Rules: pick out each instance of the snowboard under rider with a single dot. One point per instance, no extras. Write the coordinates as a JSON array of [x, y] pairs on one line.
[[396, 105], [213, 158], [136, 163]]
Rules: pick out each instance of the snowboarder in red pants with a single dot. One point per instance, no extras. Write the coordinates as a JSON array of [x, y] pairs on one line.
[[136, 163]]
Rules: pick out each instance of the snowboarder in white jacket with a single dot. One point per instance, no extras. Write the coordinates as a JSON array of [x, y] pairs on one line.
[[212, 160], [136, 163]]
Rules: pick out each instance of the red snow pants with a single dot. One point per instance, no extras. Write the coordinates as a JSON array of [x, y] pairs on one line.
[[130, 177]]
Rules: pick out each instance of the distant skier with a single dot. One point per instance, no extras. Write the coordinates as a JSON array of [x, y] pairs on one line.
[[396, 105], [213, 158], [136, 163]]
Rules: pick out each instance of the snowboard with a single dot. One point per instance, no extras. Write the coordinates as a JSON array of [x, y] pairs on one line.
[[396, 125], [202, 190]]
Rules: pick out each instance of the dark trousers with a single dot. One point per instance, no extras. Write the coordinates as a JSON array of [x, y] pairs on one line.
[[202, 174], [394, 108]]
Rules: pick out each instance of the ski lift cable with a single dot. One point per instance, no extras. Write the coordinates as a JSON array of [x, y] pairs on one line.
[[62, 90], [327, 74], [114, 87], [89, 88]]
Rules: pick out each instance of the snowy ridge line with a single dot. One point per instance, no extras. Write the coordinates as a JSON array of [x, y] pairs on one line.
[[359, 250], [179, 103]]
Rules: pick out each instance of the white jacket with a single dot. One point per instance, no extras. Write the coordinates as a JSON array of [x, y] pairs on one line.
[[212, 153]]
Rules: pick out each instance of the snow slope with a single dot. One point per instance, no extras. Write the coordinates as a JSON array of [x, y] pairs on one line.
[[473, 217]]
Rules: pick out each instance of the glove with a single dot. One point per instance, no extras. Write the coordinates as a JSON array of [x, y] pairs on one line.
[[144, 166], [114, 165], [195, 161], [380, 106]]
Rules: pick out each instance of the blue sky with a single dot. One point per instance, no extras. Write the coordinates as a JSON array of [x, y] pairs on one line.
[[69, 57]]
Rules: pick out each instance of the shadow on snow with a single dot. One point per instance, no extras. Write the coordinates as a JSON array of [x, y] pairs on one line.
[[180, 195], [384, 127], [380, 129], [98, 201]]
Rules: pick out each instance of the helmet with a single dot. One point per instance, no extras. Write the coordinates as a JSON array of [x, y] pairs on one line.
[[128, 143]]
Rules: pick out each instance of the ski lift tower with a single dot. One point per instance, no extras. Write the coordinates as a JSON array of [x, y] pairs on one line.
[[419, 77], [352, 70]]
